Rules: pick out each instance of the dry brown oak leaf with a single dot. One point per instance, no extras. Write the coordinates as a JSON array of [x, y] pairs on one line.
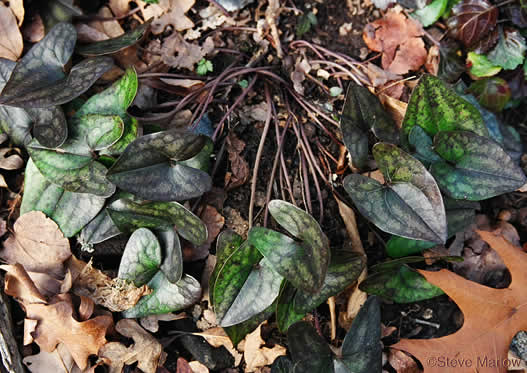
[[399, 40], [491, 318]]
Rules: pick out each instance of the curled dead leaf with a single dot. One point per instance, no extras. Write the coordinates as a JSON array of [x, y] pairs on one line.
[[11, 44], [239, 173], [257, 356]]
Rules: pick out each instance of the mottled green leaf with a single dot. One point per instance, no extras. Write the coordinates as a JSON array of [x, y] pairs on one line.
[[309, 351], [512, 142], [509, 53], [294, 304], [431, 13], [436, 108], [132, 213], [71, 168], [400, 284], [282, 364], [148, 167], [303, 265], [172, 265], [71, 211], [423, 145], [50, 127], [475, 167], [362, 347], [238, 332], [490, 119], [493, 93], [363, 111], [114, 45], [201, 161], [141, 257], [81, 77], [258, 292], [409, 205], [480, 65], [98, 230], [166, 297], [235, 261]]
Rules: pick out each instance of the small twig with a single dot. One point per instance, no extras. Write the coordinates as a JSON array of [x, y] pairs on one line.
[[424, 322], [259, 155], [331, 304]]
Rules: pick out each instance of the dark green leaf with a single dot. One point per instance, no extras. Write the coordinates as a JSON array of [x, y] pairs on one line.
[[451, 65], [431, 13], [480, 65], [201, 161], [309, 351], [294, 304], [471, 20], [436, 108], [397, 247], [492, 93], [166, 297], [509, 53], [490, 119], [512, 142], [282, 364], [362, 347], [141, 257], [303, 265], [148, 167], [172, 265], [238, 332], [114, 45], [363, 111], [258, 292], [98, 230], [50, 127], [400, 284], [129, 214], [71, 211], [478, 168], [423, 145], [410, 205]]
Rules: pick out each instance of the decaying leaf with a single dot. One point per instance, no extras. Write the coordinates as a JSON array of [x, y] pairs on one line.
[[146, 350], [11, 44], [37, 244], [239, 173], [217, 337], [57, 361], [502, 312], [175, 16], [471, 20], [399, 40], [176, 52], [257, 356]]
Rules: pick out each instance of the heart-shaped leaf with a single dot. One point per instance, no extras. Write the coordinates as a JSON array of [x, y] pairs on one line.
[[172, 265], [475, 167], [509, 53], [166, 297], [401, 284], [309, 351], [149, 169], [141, 257], [471, 20], [282, 364], [490, 119], [38, 79], [436, 108], [363, 111], [98, 230], [115, 100], [132, 213], [423, 145], [362, 347], [114, 45], [410, 205], [294, 304], [258, 292], [71, 211]]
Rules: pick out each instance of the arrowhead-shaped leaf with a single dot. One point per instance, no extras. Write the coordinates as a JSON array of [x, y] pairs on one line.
[[98, 230], [148, 167], [362, 347], [166, 297], [475, 167], [114, 45], [235, 261], [308, 349], [437, 108], [71, 211], [282, 364], [294, 304], [132, 213], [363, 111], [141, 257], [258, 292], [423, 145], [401, 284], [172, 265], [410, 205]]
